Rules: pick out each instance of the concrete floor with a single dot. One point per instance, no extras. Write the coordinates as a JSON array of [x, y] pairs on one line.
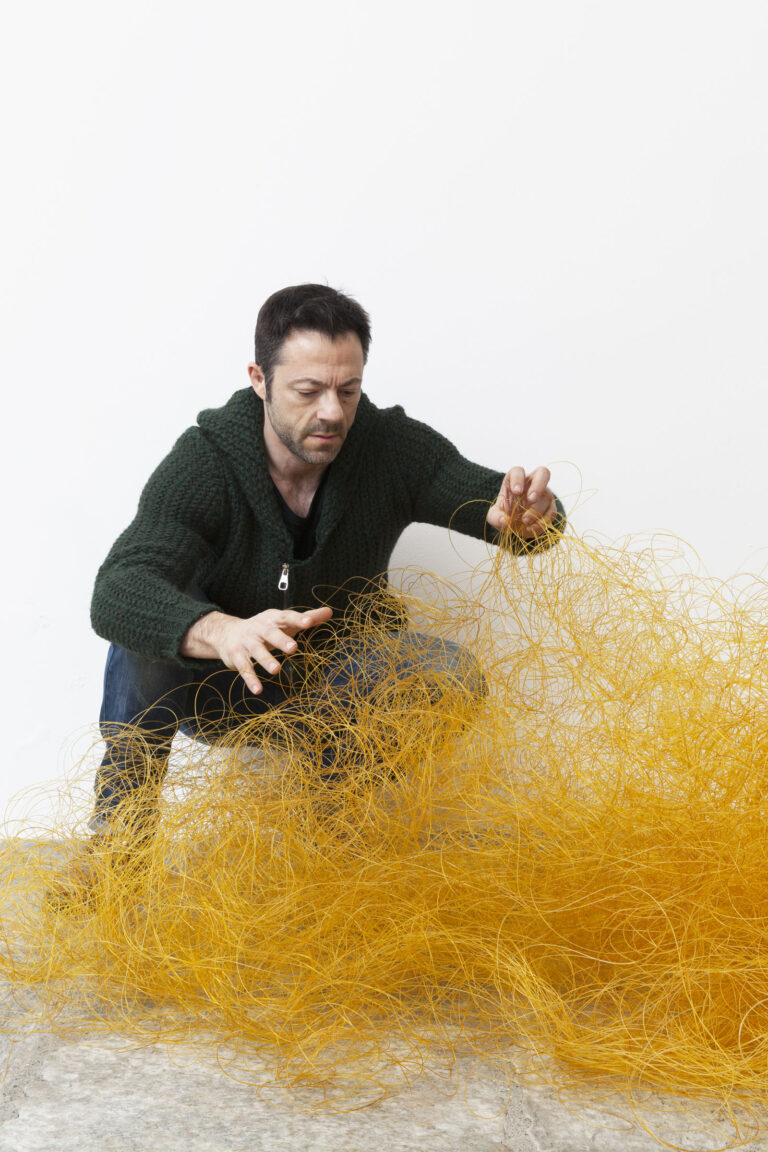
[[63, 1096]]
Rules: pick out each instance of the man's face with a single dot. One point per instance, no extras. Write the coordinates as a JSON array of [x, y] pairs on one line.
[[314, 395]]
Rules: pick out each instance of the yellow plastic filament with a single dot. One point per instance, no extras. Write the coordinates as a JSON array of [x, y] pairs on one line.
[[576, 865]]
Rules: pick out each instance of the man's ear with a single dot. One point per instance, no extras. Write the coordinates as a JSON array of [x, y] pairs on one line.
[[258, 383]]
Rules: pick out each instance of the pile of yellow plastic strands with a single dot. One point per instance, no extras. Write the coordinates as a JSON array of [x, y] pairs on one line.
[[576, 866]]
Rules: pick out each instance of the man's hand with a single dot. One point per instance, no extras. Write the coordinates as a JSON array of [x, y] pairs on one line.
[[241, 643], [524, 504]]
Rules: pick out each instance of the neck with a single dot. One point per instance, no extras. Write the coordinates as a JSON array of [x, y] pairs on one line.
[[285, 466]]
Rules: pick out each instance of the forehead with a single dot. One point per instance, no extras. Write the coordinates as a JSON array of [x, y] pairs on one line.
[[315, 354]]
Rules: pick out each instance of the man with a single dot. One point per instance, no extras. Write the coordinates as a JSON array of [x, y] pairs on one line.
[[260, 530]]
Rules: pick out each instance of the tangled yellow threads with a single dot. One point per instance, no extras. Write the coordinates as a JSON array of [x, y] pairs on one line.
[[578, 866]]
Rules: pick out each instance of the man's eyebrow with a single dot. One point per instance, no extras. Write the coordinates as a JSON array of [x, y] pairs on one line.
[[321, 383]]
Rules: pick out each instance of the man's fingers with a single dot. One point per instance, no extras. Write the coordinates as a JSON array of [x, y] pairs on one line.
[[512, 489], [264, 657], [537, 483], [316, 616], [245, 668], [539, 519], [499, 518], [544, 507], [516, 480], [245, 642], [277, 638], [301, 620]]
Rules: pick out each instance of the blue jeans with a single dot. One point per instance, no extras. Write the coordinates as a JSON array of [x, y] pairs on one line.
[[157, 698]]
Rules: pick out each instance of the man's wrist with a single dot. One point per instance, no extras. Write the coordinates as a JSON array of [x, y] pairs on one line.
[[201, 640]]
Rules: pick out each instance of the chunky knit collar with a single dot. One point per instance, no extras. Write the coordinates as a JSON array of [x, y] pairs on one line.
[[236, 430]]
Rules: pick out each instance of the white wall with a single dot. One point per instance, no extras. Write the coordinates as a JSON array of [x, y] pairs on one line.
[[555, 213]]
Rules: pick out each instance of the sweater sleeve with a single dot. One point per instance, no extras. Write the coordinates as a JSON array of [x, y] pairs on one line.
[[449, 490], [140, 599]]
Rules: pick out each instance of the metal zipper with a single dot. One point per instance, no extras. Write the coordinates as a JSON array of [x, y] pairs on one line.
[[282, 585]]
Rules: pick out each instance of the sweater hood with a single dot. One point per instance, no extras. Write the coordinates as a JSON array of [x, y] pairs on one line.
[[236, 432]]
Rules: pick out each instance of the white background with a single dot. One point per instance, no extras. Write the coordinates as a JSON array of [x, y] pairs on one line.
[[555, 213]]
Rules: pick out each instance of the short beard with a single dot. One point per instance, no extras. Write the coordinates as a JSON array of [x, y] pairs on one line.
[[285, 434]]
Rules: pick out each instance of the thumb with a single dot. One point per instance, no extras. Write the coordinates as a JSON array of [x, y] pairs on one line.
[[497, 517]]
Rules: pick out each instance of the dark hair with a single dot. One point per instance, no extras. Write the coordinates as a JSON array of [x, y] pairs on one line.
[[312, 307]]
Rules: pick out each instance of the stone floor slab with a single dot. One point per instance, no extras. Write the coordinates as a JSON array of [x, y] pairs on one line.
[[542, 1119], [106, 1096], [69, 1097]]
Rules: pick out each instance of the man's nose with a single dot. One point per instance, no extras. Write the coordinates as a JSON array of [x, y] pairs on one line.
[[329, 408]]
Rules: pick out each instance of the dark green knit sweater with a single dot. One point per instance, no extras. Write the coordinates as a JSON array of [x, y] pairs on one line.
[[209, 518]]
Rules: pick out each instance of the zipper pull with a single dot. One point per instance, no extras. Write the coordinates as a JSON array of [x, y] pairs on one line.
[[282, 585]]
